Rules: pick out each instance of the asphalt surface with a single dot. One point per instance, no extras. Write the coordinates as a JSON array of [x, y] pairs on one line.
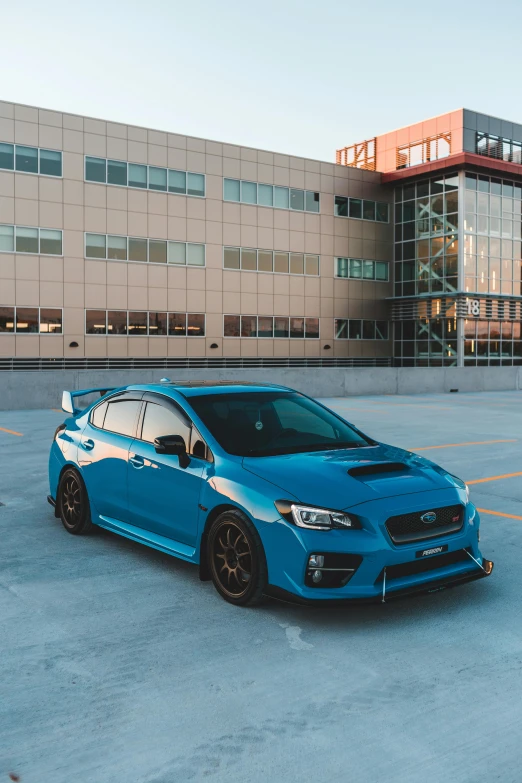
[[118, 664]]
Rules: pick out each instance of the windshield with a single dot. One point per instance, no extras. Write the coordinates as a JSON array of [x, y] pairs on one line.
[[261, 424]]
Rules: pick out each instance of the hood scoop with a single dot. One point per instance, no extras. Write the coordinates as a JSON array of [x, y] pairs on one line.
[[377, 467]]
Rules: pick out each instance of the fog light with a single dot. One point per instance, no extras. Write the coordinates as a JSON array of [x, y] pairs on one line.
[[317, 576], [316, 561]]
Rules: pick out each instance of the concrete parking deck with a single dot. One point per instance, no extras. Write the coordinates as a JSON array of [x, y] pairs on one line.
[[117, 664]]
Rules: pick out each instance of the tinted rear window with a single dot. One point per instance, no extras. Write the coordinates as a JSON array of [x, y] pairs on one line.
[[121, 416]]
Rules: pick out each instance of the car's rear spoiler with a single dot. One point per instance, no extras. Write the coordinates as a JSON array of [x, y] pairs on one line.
[[68, 397]]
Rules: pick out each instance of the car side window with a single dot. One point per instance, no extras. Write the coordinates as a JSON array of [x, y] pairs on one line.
[[121, 416], [98, 415], [159, 421], [198, 447]]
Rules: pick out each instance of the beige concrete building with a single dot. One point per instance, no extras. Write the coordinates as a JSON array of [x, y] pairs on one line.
[[120, 241]]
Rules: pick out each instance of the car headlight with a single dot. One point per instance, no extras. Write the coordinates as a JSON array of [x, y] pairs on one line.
[[316, 518], [461, 485]]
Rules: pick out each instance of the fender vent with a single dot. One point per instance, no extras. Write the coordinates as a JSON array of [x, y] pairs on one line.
[[378, 467]]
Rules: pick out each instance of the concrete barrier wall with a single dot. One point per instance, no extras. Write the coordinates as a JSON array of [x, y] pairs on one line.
[[26, 390]]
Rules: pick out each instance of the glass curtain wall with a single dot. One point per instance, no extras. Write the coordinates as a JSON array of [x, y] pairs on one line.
[[475, 293], [492, 266], [426, 264]]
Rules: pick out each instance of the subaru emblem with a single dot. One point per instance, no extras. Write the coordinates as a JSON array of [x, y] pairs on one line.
[[429, 517]]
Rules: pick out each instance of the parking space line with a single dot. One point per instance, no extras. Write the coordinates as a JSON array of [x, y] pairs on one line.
[[411, 405], [498, 513], [494, 478], [470, 443], [365, 410], [12, 432]]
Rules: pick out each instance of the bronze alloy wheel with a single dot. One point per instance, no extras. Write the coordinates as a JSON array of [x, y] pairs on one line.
[[73, 503], [71, 500], [236, 559], [232, 559]]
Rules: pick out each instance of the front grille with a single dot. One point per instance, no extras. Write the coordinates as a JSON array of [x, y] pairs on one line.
[[424, 565], [406, 528]]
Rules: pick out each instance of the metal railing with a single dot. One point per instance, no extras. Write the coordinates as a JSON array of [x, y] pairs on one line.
[[23, 364]]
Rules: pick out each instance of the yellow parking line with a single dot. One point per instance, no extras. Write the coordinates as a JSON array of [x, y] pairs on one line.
[[56, 410], [494, 478], [498, 513], [411, 405], [470, 443], [12, 432], [366, 410]]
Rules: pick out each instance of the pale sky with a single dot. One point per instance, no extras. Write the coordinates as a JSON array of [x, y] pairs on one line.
[[297, 77]]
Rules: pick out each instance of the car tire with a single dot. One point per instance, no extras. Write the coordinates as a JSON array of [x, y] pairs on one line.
[[73, 503], [236, 559]]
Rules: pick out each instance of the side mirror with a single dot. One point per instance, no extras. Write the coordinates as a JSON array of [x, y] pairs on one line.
[[67, 402], [173, 444]]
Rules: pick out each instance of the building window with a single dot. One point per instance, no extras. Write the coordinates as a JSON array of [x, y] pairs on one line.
[[138, 249], [31, 320], [116, 172], [117, 248], [50, 242], [156, 251], [95, 245], [195, 184], [138, 175], [426, 236], [263, 326], [253, 260], [492, 260], [157, 324], [95, 322], [7, 319], [50, 163], [26, 239], [270, 195], [30, 160], [177, 324], [361, 269], [140, 323], [50, 320], [116, 322], [7, 239], [95, 169], [7, 156], [27, 320], [195, 325], [432, 342], [359, 329], [361, 209]]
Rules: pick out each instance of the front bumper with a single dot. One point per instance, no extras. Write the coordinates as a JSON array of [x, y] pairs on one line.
[[288, 549], [433, 586]]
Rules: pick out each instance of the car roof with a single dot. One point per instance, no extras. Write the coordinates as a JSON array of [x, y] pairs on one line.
[[199, 388]]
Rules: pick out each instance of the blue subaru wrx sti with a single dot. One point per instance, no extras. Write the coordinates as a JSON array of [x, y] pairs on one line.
[[267, 490]]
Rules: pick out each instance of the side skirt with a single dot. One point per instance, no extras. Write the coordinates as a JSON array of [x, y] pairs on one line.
[[161, 543]]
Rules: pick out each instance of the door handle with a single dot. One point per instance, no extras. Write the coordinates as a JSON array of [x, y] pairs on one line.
[[88, 444], [136, 461]]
